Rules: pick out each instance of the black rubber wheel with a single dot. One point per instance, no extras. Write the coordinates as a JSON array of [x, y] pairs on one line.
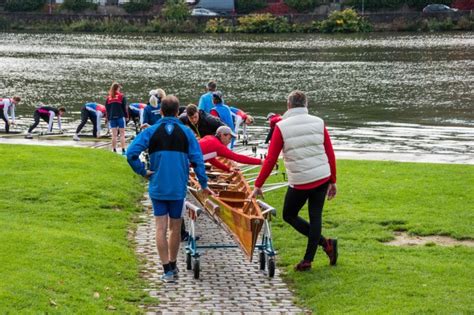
[[271, 267], [196, 268], [188, 261], [262, 260]]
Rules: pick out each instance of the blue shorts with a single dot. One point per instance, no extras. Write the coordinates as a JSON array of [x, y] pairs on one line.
[[117, 123], [173, 208]]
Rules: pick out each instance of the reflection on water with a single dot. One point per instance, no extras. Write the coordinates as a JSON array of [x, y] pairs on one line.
[[400, 92]]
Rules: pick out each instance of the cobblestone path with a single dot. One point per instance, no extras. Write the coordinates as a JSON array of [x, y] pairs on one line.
[[228, 282]]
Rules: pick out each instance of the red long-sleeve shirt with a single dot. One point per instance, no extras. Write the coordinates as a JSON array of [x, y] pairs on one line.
[[212, 147], [276, 145]]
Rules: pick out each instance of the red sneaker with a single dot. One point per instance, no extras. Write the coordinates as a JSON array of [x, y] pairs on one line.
[[331, 251], [303, 265]]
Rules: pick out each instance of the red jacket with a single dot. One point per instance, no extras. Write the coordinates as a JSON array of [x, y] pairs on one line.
[[212, 147]]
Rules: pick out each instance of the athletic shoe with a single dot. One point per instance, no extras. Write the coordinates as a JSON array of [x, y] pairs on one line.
[[29, 136], [331, 251], [76, 138], [175, 273], [303, 265], [168, 277], [124, 153]]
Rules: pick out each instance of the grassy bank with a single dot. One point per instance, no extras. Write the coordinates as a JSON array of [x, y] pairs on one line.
[[374, 200], [64, 218]]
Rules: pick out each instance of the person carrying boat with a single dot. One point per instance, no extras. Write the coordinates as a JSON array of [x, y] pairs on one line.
[[272, 119], [201, 123], [117, 115], [151, 113], [216, 146], [94, 112], [172, 147], [47, 113], [136, 114], [241, 118], [311, 167], [8, 105], [205, 101]]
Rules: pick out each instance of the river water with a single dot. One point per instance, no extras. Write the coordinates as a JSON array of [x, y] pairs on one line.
[[384, 92]]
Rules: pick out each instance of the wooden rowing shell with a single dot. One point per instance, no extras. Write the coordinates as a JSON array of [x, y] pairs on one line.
[[232, 207]]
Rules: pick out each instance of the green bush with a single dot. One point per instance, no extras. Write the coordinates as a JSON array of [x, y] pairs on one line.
[[435, 25], [176, 10], [465, 24], [218, 26], [263, 23], [4, 23], [346, 21], [376, 5], [24, 5], [78, 5], [302, 5], [137, 6], [247, 6], [82, 26]]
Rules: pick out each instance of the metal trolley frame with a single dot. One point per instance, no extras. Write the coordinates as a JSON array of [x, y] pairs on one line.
[[266, 255]]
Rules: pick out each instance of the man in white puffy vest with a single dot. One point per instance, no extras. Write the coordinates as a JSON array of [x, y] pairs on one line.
[[311, 167]]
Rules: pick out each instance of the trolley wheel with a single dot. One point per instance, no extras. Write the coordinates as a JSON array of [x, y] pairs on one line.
[[196, 268], [188, 261], [262, 260], [271, 267]]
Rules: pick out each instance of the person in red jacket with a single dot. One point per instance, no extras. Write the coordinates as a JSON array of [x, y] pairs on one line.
[[214, 146], [272, 119]]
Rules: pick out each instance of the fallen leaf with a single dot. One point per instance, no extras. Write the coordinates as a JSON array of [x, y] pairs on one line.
[[111, 307], [53, 303], [96, 295]]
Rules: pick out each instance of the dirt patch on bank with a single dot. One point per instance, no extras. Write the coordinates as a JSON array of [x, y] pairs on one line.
[[403, 239]]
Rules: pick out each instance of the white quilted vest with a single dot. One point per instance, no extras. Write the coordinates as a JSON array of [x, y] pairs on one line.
[[303, 147]]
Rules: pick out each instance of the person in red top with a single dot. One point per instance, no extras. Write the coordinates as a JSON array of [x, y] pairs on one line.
[[311, 166], [117, 115], [272, 119], [214, 146]]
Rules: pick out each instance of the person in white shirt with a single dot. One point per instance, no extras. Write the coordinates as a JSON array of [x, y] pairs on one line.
[[8, 105]]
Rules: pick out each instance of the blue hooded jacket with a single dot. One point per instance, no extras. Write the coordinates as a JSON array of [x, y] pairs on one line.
[[171, 146], [151, 114], [225, 114]]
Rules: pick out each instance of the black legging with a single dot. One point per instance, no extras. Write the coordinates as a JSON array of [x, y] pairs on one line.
[[85, 115], [37, 117], [294, 201], [7, 125]]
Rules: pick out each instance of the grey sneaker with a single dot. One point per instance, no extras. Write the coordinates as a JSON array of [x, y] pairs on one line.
[[175, 273], [168, 277], [29, 136], [76, 138]]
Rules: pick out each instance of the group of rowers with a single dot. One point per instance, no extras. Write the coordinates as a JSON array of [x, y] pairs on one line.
[[172, 147]]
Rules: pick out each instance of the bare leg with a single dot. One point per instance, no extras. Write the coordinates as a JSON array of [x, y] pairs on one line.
[[161, 223], [114, 138], [175, 238], [122, 138]]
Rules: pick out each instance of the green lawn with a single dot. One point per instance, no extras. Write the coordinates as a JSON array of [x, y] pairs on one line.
[[65, 215], [374, 200], [64, 220]]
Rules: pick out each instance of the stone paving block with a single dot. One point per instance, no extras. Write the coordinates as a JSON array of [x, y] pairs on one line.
[[228, 284]]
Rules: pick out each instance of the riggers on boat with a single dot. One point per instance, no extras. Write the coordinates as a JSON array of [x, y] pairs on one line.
[[234, 210]]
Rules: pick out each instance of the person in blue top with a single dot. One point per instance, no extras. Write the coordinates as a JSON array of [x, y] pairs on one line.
[[172, 147], [205, 102], [223, 112], [151, 113]]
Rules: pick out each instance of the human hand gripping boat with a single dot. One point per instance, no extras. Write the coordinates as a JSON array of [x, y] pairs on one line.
[[233, 209]]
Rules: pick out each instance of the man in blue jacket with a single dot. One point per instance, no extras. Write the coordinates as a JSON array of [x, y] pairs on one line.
[[171, 147]]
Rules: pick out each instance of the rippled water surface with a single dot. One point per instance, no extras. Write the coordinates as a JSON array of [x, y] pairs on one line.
[[401, 92]]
